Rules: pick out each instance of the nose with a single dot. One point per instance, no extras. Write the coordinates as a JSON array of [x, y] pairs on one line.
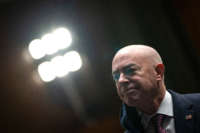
[[122, 78]]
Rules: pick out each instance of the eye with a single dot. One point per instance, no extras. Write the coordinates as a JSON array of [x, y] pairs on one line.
[[129, 71], [116, 76]]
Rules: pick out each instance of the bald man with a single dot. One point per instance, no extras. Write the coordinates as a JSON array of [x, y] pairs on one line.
[[138, 72]]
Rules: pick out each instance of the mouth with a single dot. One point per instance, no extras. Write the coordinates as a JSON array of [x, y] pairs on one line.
[[129, 91]]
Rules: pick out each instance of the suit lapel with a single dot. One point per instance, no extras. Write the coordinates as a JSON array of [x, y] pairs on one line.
[[130, 119], [183, 113]]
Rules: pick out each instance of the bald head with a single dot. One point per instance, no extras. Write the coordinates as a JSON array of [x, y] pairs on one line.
[[146, 53], [138, 72]]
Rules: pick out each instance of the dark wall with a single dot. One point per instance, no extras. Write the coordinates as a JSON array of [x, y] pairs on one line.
[[99, 29]]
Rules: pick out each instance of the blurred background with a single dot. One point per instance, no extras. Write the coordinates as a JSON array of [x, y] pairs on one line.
[[86, 100]]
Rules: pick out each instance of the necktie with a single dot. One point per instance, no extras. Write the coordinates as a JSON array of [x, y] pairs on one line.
[[156, 124], [159, 122]]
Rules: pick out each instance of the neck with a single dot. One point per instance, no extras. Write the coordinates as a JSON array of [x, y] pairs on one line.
[[152, 106]]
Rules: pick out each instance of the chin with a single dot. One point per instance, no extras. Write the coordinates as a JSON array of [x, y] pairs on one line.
[[131, 102]]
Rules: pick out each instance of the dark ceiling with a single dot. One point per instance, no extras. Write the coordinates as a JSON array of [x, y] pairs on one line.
[[84, 101]]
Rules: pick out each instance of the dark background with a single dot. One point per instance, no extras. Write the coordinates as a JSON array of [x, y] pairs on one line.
[[99, 28]]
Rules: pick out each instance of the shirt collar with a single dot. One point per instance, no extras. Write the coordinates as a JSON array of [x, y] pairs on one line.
[[166, 108]]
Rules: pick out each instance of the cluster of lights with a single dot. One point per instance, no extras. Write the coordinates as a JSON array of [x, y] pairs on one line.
[[58, 66], [50, 43]]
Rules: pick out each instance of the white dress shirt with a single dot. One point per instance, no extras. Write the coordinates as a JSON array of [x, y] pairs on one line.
[[166, 108]]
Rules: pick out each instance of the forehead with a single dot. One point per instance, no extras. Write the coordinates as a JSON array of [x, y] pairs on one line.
[[123, 60]]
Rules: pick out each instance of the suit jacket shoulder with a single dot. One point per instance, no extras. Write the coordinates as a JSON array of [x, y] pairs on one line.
[[186, 108], [186, 112]]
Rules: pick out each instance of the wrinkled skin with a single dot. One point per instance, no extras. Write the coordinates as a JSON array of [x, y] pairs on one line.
[[142, 86]]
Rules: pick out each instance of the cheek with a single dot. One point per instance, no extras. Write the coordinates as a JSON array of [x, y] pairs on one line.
[[148, 85], [152, 80], [119, 92], [142, 83], [137, 81]]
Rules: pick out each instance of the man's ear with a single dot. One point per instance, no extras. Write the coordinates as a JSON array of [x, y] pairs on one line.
[[160, 69]]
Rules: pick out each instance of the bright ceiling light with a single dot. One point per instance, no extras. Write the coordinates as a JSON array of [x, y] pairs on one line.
[[45, 71], [63, 38], [36, 49], [59, 66], [73, 60], [50, 43]]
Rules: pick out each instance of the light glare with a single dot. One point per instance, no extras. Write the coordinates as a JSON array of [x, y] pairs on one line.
[[63, 38], [59, 66], [45, 72], [50, 43], [36, 49], [73, 60]]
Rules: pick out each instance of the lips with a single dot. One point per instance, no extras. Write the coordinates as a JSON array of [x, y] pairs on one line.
[[128, 91], [131, 91]]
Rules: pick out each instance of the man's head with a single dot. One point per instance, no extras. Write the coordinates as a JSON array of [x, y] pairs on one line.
[[138, 72]]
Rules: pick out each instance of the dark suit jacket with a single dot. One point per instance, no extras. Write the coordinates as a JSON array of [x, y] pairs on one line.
[[186, 109]]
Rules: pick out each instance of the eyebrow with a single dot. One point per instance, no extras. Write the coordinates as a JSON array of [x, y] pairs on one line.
[[129, 65], [125, 67]]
